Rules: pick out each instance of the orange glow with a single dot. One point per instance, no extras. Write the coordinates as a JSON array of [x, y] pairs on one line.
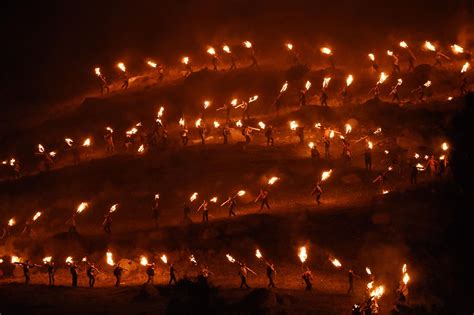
[[82, 206], [465, 67], [113, 208], [15, 259], [181, 122], [326, 51], [382, 78], [97, 71], [47, 259], [40, 148], [284, 87], [164, 259], [151, 64], [258, 254], [216, 124], [247, 44], [121, 66], [457, 49], [307, 85], [69, 141], [253, 98], [239, 123], [336, 262], [348, 128], [429, 46], [185, 60], [143, 261], [349, 80], [325, 175], [403, 44], [261, 124], [371, 56], [427, 83], [226, 49], [11, 222], [86, 142], [311, 145], [207, 104], [141, 149], [326, 82], [230, 258], [272, 180], [109, 258], [293, 125], [69, 260], [445, 146], [198, 123], [389, 52], [213, 199], [302, 254], [37, 215], [241, 193], [211, 51], [289, 46], [193, 197]]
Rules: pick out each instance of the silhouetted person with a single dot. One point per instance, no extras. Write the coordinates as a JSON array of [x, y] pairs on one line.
[[317, 192], [26, 266], [186, 211], [300, 133], [172, 275], [150, 272], [245, 108], [109, 143], [263, 197], [156, 212], [269, 135], [233, 65], [324, 98], [232, 204], [118, 272], [350, 279], [184, 136], [91, 273], [243, 276], [302, 97], [307, 277], [107, 224], [73, 268], [270, 273], [202, 134], [368, 159], [226, 134], [327, 145]]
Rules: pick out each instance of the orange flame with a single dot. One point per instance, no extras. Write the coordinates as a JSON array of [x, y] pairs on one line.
[[160, 112], [185, 60], [213, 199], [284, 87], [307, 85], [389, 52], [445, 146], [211, 51], [121, 66], [367, 269], [207, 104], [302, 254], [230, 258], [325, 175], [47, 259], [97, 71], [293, 125], [427, 83], [181, 122], [69, 260], [349, 80], [331, 134], [261, 124], [40, 148], [272, 180], [253, 98], [403, 44], [247, 44], [289, 46], [113, 208], [326, 51], [457, 49], [241, 193], [141, 149], [326, 82], [311, 145], [336, 262], [192, 259], [348, 128], [429, 46], [198, 123], [11, 222], [370, 145], [234, 102], [151, 64], [69, 141], [226, 49], [37, 215], [371, 56], [239, 123], [15, 259], [193, 197], [258, 254], [216, 124], [382, 79], [164, 259], [82, 206], [465, 67], [377, 292], [109, 258], [86, 142], [143, 261]]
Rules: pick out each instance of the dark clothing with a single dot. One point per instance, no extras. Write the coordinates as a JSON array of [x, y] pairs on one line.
[[269, 135], [118, 271], [231, 207], [150, 271], [243, 282], [73, 270], [414, 174], [307, 279], [270, 273], [351, 283], [264, 202], [368, 159], [51, 270], [172, 276]]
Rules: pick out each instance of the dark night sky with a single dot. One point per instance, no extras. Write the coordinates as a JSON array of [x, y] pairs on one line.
[[50, 47]]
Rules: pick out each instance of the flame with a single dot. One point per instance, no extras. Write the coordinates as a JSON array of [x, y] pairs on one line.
[[390, 168], [389, 52], [69, 141], [311, 145], [143, 261], [97, 71], [272, 180], [157, 196], [426, 157], [331, 134], [326, 82], [131, 131], [293, 125], [234, 102], [377, 292], [113, 208], [370, 145], [15, 259], [399, 82], [207, 104], [230, 258], [37, 215], [164, 259], [47, 259], [198, 123], [241, 193], [211, 51], [141, 149], [185, 60], [289, 46], [427, 83], [52, 153], [160, 112], [406, 278], [325, 175], [370, 285], [193, 197], [416, 155], [12, 162], [239, 123], [302, 254], [307, 85], [403, 44], [367, 269], [404, 268], [121, 66], [382, 79], [371, 56], [261, 124], [258, 254], [69, 260], [349, 80], [11, 222], [326, 51], [40, 148], [348, 128], [450, 98], [226, 49], [317, 125], [181, 122], [429, 46], [336, 262], [192, 259], [420, 167], [445, 146], [84, 259], [465, 67], [214, 199], [247, 44], [110, 259], [151, 64], [457, 49], [87, 142], [284, 87], [384, 192], [253, 98], [386, 152], [82, 207], [139, 124]]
